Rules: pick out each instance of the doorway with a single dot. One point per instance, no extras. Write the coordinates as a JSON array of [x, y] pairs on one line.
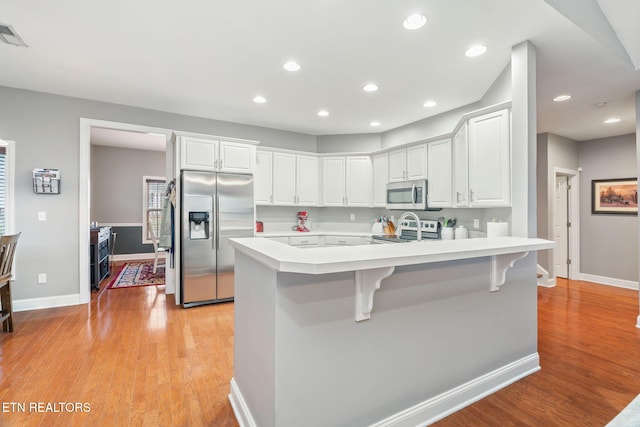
[[565, 225]]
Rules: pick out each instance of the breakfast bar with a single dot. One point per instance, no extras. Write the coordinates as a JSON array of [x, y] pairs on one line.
[[384, 335]]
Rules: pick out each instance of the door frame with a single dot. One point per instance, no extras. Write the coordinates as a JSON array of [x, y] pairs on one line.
[[84, 202], [574, 217]]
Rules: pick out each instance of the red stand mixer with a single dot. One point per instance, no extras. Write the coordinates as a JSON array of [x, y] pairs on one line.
[[302, 222]]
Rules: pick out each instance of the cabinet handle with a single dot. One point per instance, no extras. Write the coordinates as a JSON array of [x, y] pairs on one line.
[[457, 197], [471, 195], [271, 198]]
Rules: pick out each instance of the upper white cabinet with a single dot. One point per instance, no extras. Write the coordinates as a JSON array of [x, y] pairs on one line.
[[215, 154], [489, 160], [408, 163], [263, 178], [295, 179], [380, 179], [461, 168], [439, 173], [346, 181]]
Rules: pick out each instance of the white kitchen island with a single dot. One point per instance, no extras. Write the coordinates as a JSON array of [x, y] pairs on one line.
[[384, 335]]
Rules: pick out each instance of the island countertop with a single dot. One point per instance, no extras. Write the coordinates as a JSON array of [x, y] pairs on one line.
[[323, 260]]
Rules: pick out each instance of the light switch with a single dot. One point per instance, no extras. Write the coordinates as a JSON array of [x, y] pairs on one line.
[[42, 216], [42, 277], [476, 223]]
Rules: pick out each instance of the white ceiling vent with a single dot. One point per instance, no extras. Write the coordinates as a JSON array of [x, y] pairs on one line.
[[9, 36]]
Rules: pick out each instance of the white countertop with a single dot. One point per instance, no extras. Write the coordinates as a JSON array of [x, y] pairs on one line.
[[312, 233], [323, 260]]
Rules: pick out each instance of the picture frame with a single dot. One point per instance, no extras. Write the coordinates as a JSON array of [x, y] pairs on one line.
[[614, 196]]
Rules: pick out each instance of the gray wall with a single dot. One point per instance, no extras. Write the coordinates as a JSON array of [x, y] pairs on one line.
[[554, 151], [46, 129], [364, 142], [117, 192], [609, 243]]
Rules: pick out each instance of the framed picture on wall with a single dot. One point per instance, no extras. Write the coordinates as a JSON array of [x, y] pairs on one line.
[[614, 196]]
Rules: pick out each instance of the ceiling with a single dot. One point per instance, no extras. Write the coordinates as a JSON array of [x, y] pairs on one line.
[[210, 58]]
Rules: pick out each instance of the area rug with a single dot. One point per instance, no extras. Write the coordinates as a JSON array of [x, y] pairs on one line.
[[135, 274]]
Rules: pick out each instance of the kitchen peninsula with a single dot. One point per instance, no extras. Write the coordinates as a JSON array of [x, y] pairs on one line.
[[384, 335]]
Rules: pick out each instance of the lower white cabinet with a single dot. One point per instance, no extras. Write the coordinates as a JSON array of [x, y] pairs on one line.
[[439, 174], [304, 240], [343, 240]]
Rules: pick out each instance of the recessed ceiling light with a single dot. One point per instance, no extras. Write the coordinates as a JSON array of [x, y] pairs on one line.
[[415, 21], [374, 124], [291, 66], [370, 87], [561, 98], [323, 113], [430, 104], [476, 50], [258, 99], [612, 120]]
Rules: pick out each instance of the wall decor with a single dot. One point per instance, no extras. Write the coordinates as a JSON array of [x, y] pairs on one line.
[[614, 196], [46, 181]]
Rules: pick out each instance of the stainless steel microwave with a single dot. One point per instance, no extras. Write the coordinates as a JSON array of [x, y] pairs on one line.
[[407, 195]]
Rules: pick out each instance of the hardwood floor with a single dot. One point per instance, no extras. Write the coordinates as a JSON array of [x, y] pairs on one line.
[[138, 360]]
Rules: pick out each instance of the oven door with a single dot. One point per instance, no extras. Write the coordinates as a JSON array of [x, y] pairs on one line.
[[410, 195]]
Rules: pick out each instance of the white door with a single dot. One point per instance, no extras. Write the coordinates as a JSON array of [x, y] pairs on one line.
[[199, 153], [560, 229], [398, 165], [263, 178], [358, 182], [333, 181], [461, 168], [417, 162], [380, 179], [236, 158], [307, 180], [439, 173], [284, 178]]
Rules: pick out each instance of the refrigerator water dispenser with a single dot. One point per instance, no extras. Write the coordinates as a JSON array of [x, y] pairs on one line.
[[198, 225]]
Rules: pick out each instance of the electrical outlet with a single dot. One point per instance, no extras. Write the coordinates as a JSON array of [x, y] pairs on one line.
[[352, 217], [42, 278], [42, 216], [476, 223]]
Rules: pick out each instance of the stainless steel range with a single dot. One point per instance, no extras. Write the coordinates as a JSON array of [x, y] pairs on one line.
[[408, 231]]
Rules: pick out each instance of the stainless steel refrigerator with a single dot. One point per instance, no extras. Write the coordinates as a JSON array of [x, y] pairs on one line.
[[215, 208]]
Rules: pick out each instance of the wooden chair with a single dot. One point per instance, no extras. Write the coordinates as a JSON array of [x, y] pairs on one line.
[[156, 249], [7, 252]]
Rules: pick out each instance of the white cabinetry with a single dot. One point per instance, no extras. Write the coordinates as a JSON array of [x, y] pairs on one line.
[[408, 163], [439, 173], [263, 178], [295, 179], [489, 160], [214, 154], [461, 168], [346, 181], [380, 179]]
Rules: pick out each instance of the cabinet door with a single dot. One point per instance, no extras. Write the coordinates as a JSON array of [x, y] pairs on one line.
[[461, 168], [398, 165], [333, 181], [284, 178], [380, 179], [358, 182], [417, 162], [439, 173], [489, 160], [263, 178], [198, 154], [236, 158], [307, 180]]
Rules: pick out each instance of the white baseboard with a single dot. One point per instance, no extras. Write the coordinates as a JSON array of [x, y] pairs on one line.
[[545, 280], [135, 257], [431, 410], [46, 302], [239, 405], [610, 281]]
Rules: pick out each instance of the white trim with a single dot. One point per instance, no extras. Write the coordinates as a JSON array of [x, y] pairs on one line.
[[134, 257], [545, 280], [84, 197], [609, 281], [433, 409], [240, 407], [46, 302]]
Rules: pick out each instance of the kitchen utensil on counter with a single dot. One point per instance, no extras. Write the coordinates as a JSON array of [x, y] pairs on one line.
[[303, 216], [377, 228], [461, 232], [497, 229], [259, 226], [447, 233]]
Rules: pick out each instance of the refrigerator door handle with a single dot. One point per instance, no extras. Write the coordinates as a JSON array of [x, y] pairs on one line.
[[217, 230], [213, 222]]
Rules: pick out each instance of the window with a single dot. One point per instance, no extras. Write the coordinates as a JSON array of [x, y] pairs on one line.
[[3, 190], [154, 189]]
